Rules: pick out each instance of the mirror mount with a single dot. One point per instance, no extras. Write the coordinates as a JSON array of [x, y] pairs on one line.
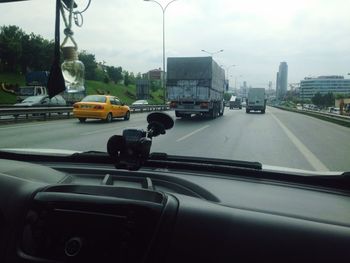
[[131, 150]]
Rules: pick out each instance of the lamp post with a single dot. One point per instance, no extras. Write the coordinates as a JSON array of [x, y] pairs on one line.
[[227, 69], [212, 53], [163, 11]]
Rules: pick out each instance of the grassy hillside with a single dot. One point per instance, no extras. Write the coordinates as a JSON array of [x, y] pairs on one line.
[[9, 78], [125, 94], [12, 78]]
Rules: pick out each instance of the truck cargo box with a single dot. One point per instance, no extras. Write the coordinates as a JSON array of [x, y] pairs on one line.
[[195, 85], [195, 78]]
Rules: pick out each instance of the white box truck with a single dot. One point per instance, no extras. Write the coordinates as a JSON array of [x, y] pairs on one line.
[[256, 100]]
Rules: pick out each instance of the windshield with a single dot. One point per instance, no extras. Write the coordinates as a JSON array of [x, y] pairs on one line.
[[263, 81], [33, 99], [94, 99], [27, 90]]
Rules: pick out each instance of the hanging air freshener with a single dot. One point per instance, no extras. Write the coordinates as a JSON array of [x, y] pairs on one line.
[[72, 68]]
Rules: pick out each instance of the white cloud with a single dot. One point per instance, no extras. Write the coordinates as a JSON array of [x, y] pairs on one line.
[[311, 35]]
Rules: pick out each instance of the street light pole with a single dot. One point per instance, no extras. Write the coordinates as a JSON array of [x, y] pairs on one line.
[[227, 71], [163, 11]]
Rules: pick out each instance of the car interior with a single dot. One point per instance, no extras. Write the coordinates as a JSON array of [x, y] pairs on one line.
[[132, 206]]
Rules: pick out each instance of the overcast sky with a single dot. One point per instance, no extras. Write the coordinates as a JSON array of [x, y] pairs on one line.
[[312, 36]]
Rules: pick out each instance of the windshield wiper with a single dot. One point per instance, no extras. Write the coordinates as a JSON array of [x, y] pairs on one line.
[[159, 157]]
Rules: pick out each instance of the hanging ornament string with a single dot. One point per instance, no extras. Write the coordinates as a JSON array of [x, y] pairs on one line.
[[68, 23], [78, 15]]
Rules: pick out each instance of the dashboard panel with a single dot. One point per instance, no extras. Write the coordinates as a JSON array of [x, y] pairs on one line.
[[59, 212]]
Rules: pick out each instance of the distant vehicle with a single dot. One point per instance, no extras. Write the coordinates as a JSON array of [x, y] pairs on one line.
[[36, 85], [102, 107], [195, 85], [140, 102], [42, 101], [334, 110], [235, 102], [314, 107], [256, 100], [29, 91]]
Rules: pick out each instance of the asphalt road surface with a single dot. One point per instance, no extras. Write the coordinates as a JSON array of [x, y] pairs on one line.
[[278, 138]]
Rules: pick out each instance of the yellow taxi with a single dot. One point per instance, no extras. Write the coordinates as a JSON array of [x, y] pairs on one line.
[[102, 107]]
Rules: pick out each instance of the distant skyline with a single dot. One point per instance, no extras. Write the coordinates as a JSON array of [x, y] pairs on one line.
[[310, 35]]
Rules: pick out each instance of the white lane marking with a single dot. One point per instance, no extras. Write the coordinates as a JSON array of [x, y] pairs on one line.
[[309, 156], [192, 133], [33, 125]]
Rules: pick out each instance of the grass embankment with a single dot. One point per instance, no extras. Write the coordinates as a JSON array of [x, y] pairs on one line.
[[125, 94], [9, 78]]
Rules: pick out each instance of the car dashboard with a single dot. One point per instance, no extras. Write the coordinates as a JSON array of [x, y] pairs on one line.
[[75, 212]]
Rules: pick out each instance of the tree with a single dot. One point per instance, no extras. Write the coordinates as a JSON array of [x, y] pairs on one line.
[[132, 78], [126, 78], [317, 99], [139, 75], [115, 73], [90, 64], [227, 96], [37, 53], [329, 99], [99, 74], [11, 47]]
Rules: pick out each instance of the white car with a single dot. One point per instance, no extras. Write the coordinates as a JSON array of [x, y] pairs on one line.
[[334, 110]]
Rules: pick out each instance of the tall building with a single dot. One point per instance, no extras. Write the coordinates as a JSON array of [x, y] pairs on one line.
[[282, 80], [323, 84]]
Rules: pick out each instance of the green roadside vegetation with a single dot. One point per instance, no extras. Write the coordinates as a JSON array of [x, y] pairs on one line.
[[9, 78], [126, 94], [18, 48]]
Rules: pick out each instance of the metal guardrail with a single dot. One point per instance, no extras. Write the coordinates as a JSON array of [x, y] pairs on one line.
[[331, 117], [14, 113]]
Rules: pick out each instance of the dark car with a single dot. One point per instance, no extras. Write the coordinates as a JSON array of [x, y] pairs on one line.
[[236, 103], [41, 101]]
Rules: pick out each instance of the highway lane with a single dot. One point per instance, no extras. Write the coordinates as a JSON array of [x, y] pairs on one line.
[[278, 138]]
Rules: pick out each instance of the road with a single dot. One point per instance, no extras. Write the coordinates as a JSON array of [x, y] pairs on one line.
[[279, 138]]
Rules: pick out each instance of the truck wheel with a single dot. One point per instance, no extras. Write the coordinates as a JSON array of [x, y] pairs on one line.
[[263, 111], [222, 112], [247, 111], [178, 114], [215, 113], [82, 120]]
